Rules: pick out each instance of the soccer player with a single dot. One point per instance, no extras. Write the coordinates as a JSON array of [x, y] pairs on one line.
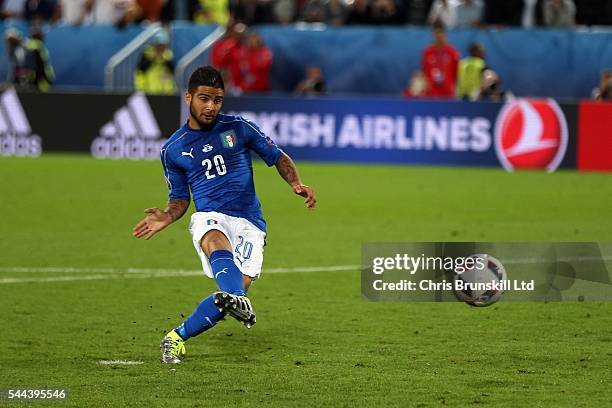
[[210, 156]]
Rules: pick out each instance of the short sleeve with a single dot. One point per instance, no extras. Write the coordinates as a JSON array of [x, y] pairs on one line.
[[261, 144], [178, 187]]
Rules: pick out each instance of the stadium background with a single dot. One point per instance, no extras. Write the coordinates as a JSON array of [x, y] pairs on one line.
[[78, 291]]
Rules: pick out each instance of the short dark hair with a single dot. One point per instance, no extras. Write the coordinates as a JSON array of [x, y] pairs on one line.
[[205, 76]]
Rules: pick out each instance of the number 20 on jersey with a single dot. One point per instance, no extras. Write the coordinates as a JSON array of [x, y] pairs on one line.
[[217, 164]]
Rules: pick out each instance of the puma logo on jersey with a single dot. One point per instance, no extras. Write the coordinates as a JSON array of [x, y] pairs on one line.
[[207, 148], [189, 153]]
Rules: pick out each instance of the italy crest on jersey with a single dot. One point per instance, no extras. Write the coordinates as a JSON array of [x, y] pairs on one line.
[[228, 139]]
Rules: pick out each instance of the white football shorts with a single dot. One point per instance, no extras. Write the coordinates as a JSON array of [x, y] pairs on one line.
[[246, 239]]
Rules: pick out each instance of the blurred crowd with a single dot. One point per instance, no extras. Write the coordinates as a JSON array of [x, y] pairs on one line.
[[246, 62], [29, 63], [452, 13], [444, 74]]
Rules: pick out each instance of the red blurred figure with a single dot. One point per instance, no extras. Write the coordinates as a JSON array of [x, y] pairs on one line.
[[255, 65], [226, 54], [440, 62], [245, 67]]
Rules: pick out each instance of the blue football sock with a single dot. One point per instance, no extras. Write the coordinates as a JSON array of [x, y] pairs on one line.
[[226, 273], [204, 317]]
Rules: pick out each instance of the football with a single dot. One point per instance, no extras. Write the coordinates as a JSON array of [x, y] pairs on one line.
[[482, 285]]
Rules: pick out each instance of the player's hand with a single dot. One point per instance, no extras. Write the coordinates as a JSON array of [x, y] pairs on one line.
[[306, 192], [155, 221]]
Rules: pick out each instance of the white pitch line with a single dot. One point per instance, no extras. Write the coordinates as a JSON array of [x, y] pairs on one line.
[[86, 270], [302, 269], [55, 269], [99, 273], [134, 273], [120, 362], [70, 269], [174, 272], [108, 276]]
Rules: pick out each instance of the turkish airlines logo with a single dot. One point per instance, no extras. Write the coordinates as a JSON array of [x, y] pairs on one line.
[[531, 134], [132, 133], [16, 138]]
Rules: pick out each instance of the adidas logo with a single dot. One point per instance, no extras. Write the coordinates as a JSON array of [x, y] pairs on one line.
[[133, 133], [16, 138]]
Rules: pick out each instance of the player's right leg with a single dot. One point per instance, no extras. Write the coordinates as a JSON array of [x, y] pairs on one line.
[[210, 234]]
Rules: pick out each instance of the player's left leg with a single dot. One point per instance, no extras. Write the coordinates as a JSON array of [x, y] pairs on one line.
[[249, 242], [232, 298], [218, 249]]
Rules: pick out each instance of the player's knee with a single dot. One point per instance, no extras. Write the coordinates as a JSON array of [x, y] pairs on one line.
[[213, 241]]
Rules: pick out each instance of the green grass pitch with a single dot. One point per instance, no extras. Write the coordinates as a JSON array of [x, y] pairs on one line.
[[316, 343]]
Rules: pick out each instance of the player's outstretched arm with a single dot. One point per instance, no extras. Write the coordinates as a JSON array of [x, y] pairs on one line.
[[286, 168], [156, 219]]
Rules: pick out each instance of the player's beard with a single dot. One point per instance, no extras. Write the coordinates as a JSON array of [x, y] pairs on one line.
[[196, 117]]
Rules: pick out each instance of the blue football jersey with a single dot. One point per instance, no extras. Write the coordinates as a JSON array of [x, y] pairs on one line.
[[215, 164]]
